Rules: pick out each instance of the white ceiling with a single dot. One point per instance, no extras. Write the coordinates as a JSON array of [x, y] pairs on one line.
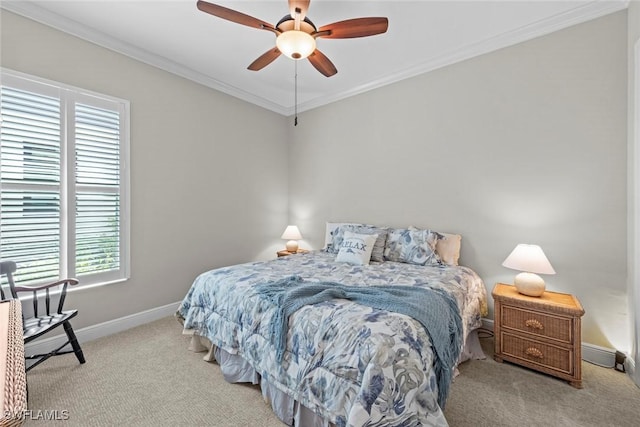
[[423, 35]]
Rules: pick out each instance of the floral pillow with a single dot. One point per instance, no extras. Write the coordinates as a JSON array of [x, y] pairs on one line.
[[356, 248], [447, 247], [412, 247], [330, 230], [378, 248]]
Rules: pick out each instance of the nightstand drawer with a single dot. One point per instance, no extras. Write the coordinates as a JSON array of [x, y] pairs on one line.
[[532, 322], [549, 356]]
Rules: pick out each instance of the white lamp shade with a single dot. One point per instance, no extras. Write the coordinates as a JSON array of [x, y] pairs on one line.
[[529, 258], [291, 233], [296, 44]]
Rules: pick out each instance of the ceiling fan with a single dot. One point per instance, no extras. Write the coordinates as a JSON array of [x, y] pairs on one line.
[[296, 34]]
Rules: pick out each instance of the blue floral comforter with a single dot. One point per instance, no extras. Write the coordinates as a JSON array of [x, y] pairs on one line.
[[351, 364]]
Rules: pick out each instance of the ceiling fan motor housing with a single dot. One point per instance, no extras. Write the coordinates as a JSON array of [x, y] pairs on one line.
[[288, 23]]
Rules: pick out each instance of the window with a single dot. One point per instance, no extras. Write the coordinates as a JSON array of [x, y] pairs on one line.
[[63, 182]]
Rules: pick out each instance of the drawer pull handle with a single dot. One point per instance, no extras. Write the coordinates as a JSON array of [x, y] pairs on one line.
[[533, 323], [534, 352]]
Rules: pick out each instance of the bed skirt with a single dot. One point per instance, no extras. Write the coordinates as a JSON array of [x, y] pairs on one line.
[[235, 369]]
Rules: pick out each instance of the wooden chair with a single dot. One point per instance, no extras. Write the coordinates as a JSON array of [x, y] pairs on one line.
[[41, 323]]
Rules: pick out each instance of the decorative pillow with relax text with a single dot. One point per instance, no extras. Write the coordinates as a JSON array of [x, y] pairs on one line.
[[412, 246], [356, 248], [377, 254]]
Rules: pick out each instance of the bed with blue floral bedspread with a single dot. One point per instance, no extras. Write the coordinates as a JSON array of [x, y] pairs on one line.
[[350, 364]]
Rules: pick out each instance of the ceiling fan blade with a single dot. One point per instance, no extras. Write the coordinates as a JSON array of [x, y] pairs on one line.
[[351, 28], [322, 63], [303, 5], [265, 59], [234, 16]]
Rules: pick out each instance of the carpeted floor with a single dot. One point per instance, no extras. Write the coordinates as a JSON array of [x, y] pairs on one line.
[[146, 377]]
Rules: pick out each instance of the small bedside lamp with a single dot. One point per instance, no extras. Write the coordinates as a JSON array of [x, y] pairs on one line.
[[292, 234], [530, 260]]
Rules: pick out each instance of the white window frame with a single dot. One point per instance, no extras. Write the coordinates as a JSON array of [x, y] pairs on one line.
[[69, 96]]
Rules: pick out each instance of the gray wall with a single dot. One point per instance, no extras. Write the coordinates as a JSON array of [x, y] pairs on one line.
[[523, 145], [526, 144], [206, 169], [633, 178]]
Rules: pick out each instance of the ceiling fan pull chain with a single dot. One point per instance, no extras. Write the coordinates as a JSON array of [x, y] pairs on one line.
[[295, 91]]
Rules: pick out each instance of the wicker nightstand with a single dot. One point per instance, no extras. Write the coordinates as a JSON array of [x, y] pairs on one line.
[[541, 333], [285, 252]]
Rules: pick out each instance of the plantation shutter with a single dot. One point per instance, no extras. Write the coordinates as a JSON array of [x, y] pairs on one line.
[[97, 171], [30, 183], [63, 182]]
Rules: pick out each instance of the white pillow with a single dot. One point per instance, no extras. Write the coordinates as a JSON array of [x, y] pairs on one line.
[[356, 248]]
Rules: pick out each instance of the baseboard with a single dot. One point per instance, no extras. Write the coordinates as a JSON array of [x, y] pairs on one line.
[[630, 366], [601, 356], [100, 330], [597, 355]]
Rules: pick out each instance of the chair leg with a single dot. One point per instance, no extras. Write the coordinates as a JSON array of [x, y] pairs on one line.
[[73, 341]]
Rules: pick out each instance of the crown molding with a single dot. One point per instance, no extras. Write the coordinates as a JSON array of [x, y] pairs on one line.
[[583, 13], [74, 28], [580, 14]]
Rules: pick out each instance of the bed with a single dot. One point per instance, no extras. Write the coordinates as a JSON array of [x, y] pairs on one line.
[[344, 364]]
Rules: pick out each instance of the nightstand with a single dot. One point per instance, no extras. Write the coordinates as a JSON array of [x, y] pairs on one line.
[[285, 252], [541, 333]]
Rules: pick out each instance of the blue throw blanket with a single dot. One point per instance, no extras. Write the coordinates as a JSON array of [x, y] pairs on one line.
[[436, 311]]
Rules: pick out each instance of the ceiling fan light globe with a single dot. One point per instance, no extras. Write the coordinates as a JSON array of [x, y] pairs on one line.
[[296, 44]]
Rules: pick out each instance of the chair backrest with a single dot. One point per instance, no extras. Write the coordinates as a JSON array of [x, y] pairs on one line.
[[7, 268]]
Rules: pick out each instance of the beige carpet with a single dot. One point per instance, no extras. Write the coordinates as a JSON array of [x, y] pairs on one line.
[[147, 377]]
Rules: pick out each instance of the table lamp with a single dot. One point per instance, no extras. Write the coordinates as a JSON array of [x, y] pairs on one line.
[[292, 234], [529, 259]]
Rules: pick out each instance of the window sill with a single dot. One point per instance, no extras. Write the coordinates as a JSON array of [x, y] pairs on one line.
[[81, 287]]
